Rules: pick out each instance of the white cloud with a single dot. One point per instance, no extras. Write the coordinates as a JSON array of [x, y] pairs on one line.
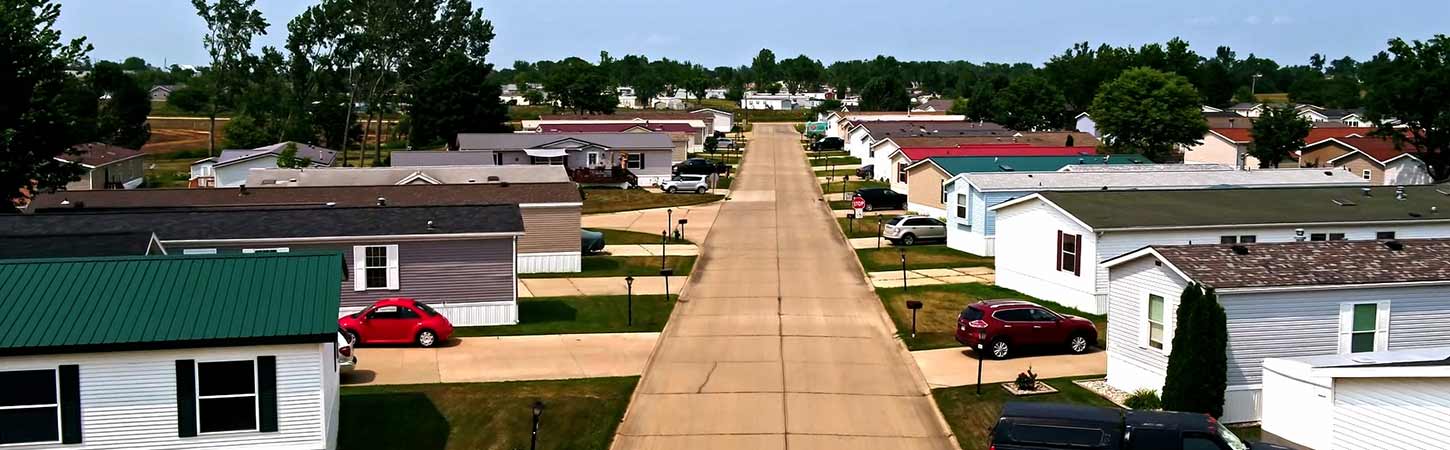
[[1201, 20], [1252, 20], [1281, 20]]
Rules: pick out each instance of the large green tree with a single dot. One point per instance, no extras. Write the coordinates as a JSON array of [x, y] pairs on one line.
[[1029, 103], [581, 87], [885, 94], [123, 109], [1408, 86], [231, 25], [1278, 132], [1198, 363], [764, 67], [459, 99], [1150, 112], [35, 125]]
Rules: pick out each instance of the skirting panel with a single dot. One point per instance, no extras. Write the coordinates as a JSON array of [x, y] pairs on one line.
[[556, 262]]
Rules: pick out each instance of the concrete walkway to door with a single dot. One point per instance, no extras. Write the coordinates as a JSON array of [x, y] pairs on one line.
[[505, 358], [778, 341]]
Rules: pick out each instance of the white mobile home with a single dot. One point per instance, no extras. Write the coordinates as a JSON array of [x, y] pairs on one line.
[[1049, 244], [1281, 300], [235, 363]]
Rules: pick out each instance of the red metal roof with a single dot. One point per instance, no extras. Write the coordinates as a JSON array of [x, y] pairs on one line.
[[920, 153], [1378, 148], [615, 127], [1243, 136]]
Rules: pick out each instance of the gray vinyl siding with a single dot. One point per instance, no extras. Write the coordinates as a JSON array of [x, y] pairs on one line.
[[552, 229], [436, 272], [1132, 282]]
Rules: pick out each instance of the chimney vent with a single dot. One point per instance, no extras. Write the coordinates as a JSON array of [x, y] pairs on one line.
[[65, 202], [430, 225], [1299, 235], [1240, 250], [382, 201]]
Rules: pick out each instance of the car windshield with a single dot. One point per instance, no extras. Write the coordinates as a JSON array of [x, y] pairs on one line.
[[1231, 439]]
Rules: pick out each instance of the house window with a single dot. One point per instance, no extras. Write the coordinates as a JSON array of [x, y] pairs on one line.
[[1385, 235], [1157, 321], [543, 161], [226, 396], [266, 250], [497, 159], [198, 251], [944, 193], [1326, 236], [901, 172], [1364, 327], [29, 407], [593, 159], [635, 161], [1245, 239], [1069, 253], [961, 206], [1365, 174], [375, 267]]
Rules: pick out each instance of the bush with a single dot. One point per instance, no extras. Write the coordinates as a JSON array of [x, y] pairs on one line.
[[1026, 381], [1143, 399]]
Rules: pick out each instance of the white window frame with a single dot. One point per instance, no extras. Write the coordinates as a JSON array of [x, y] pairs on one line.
[[360, 267], [961, 206], [198, 251], [1169, 307], [592, 158], [631, 163], [256, 397], [59, 432], [1381, 331], [1365, 174], [267, 250]]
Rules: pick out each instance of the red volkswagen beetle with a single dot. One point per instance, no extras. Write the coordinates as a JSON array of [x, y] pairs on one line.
[[396, 321]]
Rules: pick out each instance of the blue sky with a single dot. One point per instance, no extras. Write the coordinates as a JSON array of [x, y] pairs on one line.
[[730, 34]]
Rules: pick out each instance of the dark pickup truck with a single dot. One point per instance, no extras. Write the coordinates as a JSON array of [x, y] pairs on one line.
[[1054, 426]]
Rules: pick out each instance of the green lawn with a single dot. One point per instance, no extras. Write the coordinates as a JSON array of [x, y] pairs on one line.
[[972, 416], [615, 200], [936, 322], [919, 257], [827, 154], [494, 416], [622, 237], [840, 204], [618, 266], [852, 185], [171, 172], [837, 172], [589, 314], [835, 160], [860, 228]]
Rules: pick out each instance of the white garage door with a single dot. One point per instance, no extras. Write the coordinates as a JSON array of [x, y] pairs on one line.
[[1397, 413]]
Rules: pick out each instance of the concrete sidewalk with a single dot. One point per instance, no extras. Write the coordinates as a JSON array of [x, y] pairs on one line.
[[957, 366], [652, 221], [926, 277], [575, 287], [508, 358], [652, 249]]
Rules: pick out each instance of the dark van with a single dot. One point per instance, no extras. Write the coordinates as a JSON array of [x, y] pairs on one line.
[[1055, 426]]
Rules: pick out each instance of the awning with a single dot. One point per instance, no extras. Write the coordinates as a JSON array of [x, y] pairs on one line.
[[546, 152]]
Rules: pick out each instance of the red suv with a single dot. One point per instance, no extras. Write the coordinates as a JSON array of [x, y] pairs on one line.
[[396, 321], [1017, 323]]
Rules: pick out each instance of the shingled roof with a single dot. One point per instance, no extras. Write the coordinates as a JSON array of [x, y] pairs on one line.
[[1325, 263], [395, 195], [206, 224]]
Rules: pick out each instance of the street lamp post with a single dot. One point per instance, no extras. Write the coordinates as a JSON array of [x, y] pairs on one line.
[[629, 299], [534, 438]]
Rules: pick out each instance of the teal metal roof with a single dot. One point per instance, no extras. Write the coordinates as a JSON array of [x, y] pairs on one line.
[[123, 303], [956, 165]]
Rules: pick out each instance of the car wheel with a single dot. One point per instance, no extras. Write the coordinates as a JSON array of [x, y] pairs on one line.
[[908, 239], [1000, 349], [350, 336], [700, 190], [868, 208], [1078, 344], [427, 338], [670, 189]]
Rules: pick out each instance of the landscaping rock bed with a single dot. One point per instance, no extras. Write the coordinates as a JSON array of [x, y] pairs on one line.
[[1100, 386]]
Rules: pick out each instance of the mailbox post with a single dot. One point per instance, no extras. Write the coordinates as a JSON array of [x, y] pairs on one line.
[[666, 272]]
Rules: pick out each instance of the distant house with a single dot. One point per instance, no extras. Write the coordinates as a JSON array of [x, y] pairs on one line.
[[1231, 145], [1359, 400], [236, 351], [590, 158], [880, 154], [1084, 123], [405, 175], [702, 119], [685, 137], [839, 122], [1049, 244], [230, 168], [933, 105], [1377, 160], [163, 92], [972, 224], [906, 165], [1282, 300], [861, 137], [458, 259], [550, 209], [106, 167]]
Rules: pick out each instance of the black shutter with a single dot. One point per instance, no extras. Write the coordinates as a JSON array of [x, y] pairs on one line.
[[1057, 255], [185, 398], [1077, 254], [267, 392], [70, 404]]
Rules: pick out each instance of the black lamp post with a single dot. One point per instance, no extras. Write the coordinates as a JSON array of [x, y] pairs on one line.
[[538, 411], [629, 299]]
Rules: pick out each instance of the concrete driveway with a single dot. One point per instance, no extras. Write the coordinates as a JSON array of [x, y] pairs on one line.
[[949, 367], [508, 358], [652, 221]]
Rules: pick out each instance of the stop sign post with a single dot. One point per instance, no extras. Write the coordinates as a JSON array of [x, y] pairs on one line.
[[858, 203]]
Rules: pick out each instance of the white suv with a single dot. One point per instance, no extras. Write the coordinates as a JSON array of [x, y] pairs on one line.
[[686, 183]]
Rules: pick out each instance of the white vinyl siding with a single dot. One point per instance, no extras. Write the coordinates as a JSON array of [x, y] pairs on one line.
[[1132, 363], [128, 398], [1399, 413], [375, 267], [1364, 327]]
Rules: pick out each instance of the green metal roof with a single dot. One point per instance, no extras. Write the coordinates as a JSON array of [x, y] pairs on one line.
[[1224, 207], [121, 303], [956, 165]]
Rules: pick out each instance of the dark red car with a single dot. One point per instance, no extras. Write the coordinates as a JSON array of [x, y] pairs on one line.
[[397, 321], [1011, 324]]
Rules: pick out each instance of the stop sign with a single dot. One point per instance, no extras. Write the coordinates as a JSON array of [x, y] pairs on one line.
[[857, 202]]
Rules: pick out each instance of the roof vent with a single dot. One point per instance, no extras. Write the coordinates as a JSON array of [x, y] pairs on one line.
[[382, 201], [430, 225], [503, 184], [1328, 173], [1005, 168], [331, 204], [1366, 192], [1240, 250], [1415, 214], [65, 202], [241, 190], [1344, 202], [1395, 245], [492, 178]]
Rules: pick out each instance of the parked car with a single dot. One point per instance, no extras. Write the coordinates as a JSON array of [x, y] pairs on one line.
[[591, 242], [1011, 324], [866, 172], [908, 230], [346, 360], [828, 143], [396, 321], [687, 183], [724, 143], [882, 198], [1051, 426], [698, 166]]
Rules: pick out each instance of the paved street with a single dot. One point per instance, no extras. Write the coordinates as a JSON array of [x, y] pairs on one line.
[[508, 358], [778, 341]]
